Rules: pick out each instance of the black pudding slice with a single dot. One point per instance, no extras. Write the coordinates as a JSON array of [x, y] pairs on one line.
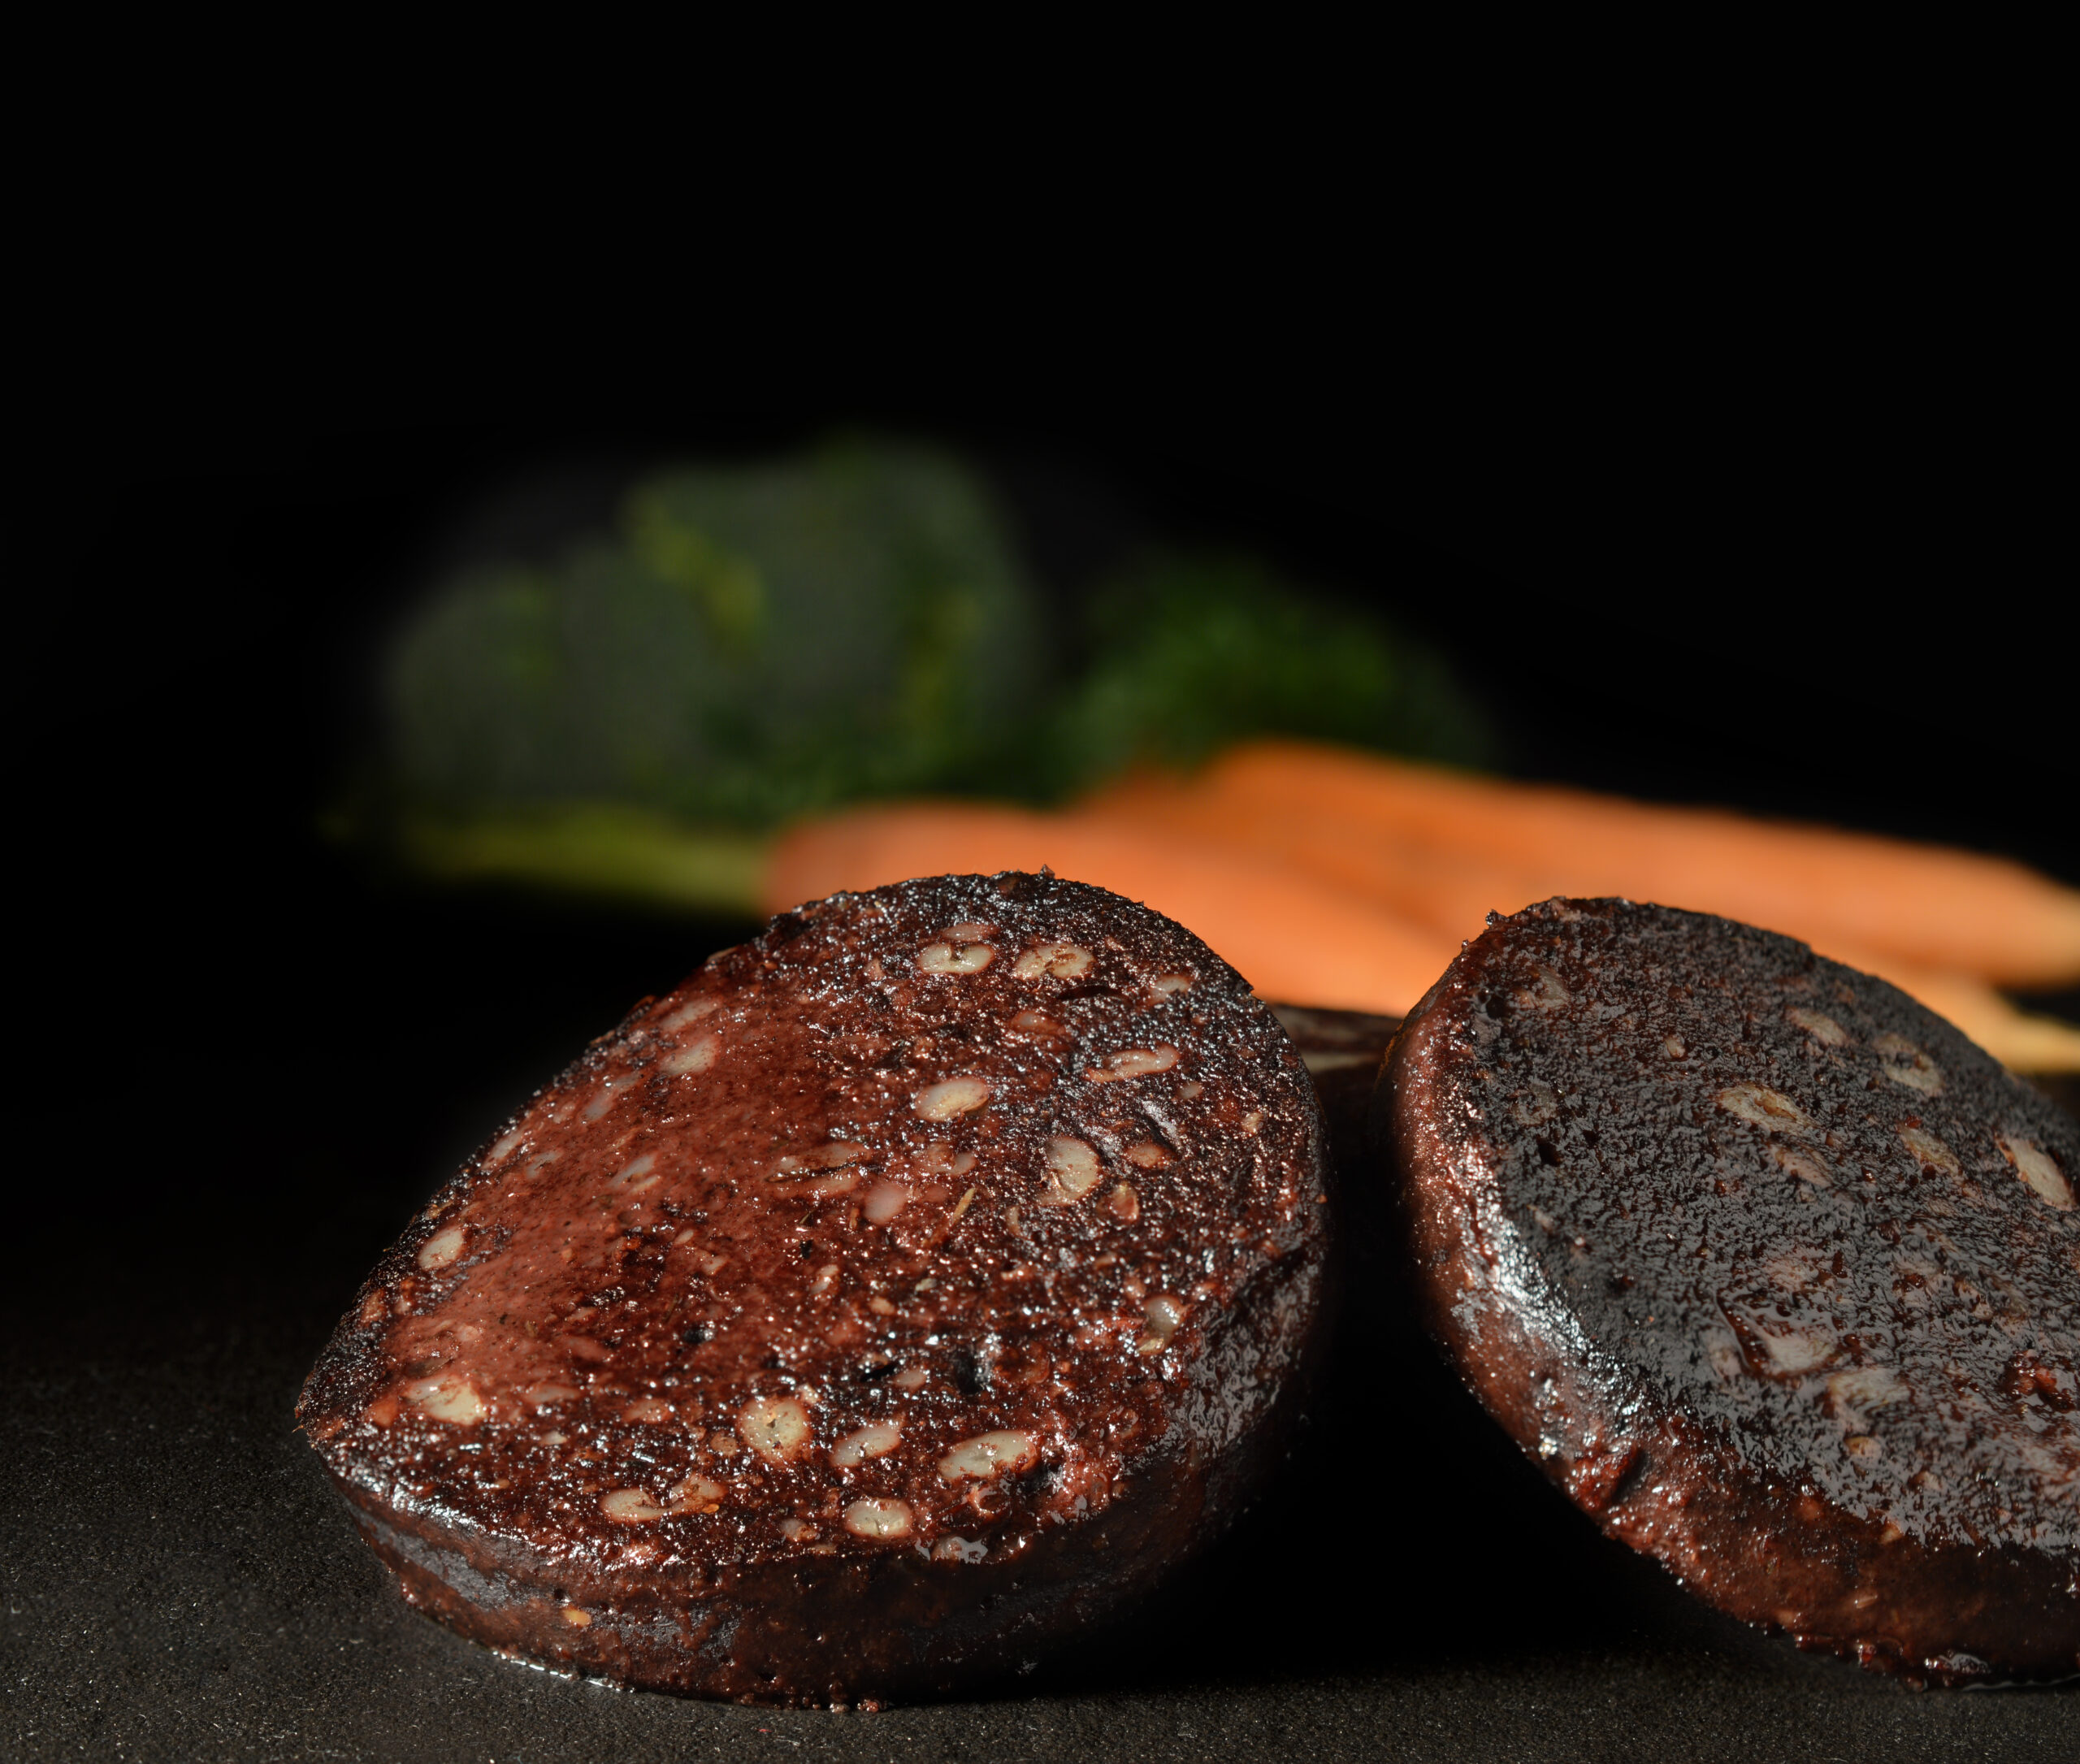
[[901, 1294], [1775, 1273]]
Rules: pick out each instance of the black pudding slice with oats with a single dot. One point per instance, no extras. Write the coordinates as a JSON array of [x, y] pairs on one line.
[[912, 1287], [1775, 1273]]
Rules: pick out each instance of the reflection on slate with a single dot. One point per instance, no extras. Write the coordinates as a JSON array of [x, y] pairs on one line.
[[182, 1583]]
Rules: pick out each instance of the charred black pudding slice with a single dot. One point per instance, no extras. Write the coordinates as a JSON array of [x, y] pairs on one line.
[[1775, 1273], [911, 1287]]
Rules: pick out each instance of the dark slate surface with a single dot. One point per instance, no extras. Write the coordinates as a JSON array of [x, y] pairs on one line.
[[180, 1583]]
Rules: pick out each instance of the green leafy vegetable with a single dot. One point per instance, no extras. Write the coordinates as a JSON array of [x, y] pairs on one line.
[[757, 643], [1190, 655]]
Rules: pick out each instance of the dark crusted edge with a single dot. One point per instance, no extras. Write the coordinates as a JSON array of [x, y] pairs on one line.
[[1652, 1477], [894, 1625]]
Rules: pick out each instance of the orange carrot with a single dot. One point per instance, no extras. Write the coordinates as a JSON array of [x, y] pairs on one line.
[[1453, 892], [1293, 936], [1941, 910]]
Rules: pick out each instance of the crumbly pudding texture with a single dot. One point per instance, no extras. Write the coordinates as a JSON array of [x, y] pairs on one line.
[[917, 1240], [1731, 1236]]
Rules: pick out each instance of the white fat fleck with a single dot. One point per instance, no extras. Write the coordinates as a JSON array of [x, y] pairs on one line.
[[958, 1549], [1867, 1387], [602, 1099], [1929, 1152], [2039, 1169], [447, 1398], [1004, 1452], [688, 1013], [951, 1096], [698, 1056], [940, 1159], [1064, 961], [1546, 992], [1805, 1165], [834, 1156], [1923, 1075], [1819, 1026], [776, 1427], [876, 1439], [1134, 1063], [1160, 1320], [912, 1378], [547, 1396], [695, 1494], [884, 1201], [443, 1249], [505, 1146], [832, 1159], [1723, 1352], [872, 1516], [1789, 1273], [1799, 1350], [630, 1506], [649, 1410], [1166, 983], [952, 959], [1765, 1107], [636, 1176], [797, 1530], [1073, 1171]]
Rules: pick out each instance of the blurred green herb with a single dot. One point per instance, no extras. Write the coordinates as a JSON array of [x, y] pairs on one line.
[[755, 644], [759, 643], [1191, 654]]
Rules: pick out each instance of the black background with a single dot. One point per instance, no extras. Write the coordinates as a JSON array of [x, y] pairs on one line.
[[253, 1052]]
